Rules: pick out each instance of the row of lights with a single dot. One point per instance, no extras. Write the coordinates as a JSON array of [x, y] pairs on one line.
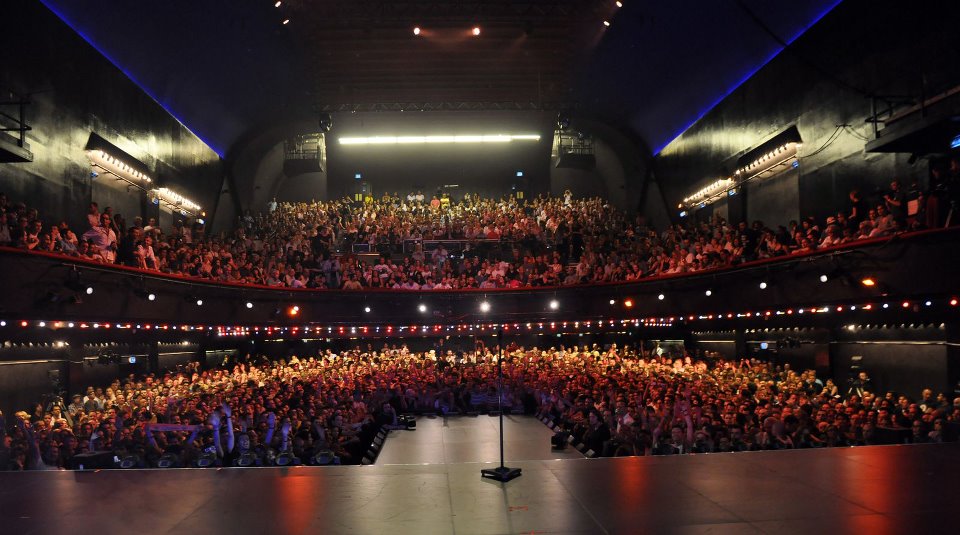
[[116, 166], [712, 191], [648, 322], [437, 328], [708, 191], [907, 304], [768, 158]]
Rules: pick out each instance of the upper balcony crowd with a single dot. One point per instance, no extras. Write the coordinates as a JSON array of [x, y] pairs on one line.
[[444, 244]]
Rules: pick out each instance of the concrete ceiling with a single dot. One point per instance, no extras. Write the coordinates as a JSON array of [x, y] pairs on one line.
[[226, 69]]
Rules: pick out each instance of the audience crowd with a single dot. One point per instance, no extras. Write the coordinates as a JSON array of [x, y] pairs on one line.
[[506, 243], [326, 408]]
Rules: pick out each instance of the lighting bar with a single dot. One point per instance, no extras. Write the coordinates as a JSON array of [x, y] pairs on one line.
[[115, 166], [709, 193], [175, 201], [411, 140], [770, 163]]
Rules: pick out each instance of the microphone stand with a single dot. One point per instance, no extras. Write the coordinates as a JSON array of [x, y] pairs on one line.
[[500, 473]]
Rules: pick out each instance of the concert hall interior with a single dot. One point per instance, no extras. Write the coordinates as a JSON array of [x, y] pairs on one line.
[[479, 266]]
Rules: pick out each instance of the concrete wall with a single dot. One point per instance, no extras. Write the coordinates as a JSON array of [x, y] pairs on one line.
[[822, 80], [75, 91]]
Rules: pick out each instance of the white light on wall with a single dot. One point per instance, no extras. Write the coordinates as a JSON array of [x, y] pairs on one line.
[[112, 165], [766, 163], [708, 193], [175, 201], [413, 140]]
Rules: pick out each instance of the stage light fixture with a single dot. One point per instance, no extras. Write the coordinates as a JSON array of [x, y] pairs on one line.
[[485, 306], [953, 302], [928, 303], [366, 309], [3, 323], [249, 305], [554, 304], [763, 285], [199, 302], [613, 301], [151, 297], [416, 30], [89, 290], [476, 30], [606, 23], [286, 21], [661, 297], [708, 293], [619, 3], [279, 2], [422, 308], [626, 302], [444, 139], [868, 282], [824, 278], [293, 311]]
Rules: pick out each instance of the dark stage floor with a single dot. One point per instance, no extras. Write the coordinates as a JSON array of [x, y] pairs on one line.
[[886, 489]]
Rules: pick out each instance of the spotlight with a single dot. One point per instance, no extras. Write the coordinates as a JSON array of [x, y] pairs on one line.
[[151, 297], [953, 302], [763, 285], [286, 21], [279, 2], [824, 278], [867, 282], [661, 297], [416, 30], [366, 309], [708, 293], [293, 311], [422, 307], [618, 2], [89, 290], [906, 304], [613, 301], [249, 305], [132, 359], [3, 323], [485, 306], [554, 304], [476, 30], [199, 302], [626, 302], [606, 23], [928, 303]]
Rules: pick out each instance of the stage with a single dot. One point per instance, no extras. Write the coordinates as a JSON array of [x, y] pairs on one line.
[[466, 439], [880, 489]]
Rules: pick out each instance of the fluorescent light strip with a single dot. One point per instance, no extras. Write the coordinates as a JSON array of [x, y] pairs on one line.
[[412, 140]]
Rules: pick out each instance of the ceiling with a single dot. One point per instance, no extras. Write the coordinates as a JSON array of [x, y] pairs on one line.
[[229, 68]]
